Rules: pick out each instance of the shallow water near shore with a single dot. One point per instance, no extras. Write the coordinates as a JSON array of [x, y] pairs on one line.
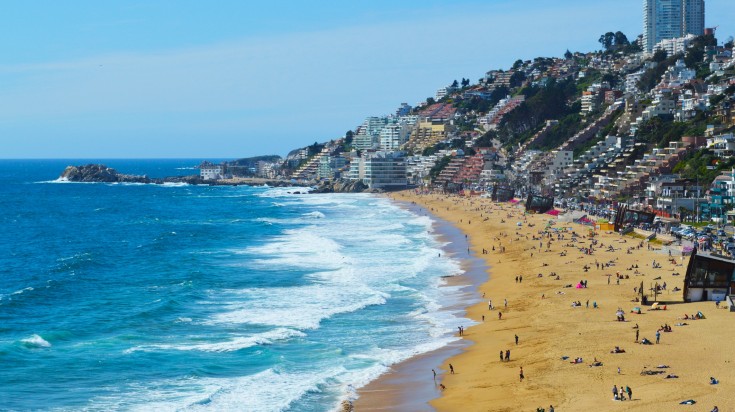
[[198, 297]]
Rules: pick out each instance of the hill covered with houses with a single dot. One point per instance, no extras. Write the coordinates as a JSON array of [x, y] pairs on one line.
[[616, 124]]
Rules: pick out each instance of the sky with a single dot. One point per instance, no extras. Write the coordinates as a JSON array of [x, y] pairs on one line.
[[231, 79]]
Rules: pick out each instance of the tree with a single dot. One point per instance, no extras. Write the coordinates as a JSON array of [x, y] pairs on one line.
[[610, 78], [455, 84], [348, 137], [517, 79], [659, 56], [621, 39], [430, 101], [517, 65], [465, 82], [568, 55], [607, 40]]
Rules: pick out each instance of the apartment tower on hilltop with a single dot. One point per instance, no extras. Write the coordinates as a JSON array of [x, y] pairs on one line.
[[668, 19]]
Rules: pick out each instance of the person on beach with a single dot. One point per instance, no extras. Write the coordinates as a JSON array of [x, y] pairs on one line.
[[615, 392], [630, 392], [516, 339], [658, 336], [507, 355], [521, 374], [637, 332], [500, 315], [451, 369], [501, 355]]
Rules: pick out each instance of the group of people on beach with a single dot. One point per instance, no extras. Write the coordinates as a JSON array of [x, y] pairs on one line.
[[577, 246]]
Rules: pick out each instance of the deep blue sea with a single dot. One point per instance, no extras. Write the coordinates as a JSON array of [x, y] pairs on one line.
[[150, 297]]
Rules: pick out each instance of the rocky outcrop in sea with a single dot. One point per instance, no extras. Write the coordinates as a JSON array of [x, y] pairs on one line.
[[103, 174]]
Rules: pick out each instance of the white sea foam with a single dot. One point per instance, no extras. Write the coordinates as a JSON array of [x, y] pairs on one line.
[[315, 214], [36, 341], [230, 345], [298, 307], [22, 291], [285, 191]]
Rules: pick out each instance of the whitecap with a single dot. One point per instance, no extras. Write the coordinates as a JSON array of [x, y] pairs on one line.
[[233, 344], [315, 214], [20, 292], [36, 341]]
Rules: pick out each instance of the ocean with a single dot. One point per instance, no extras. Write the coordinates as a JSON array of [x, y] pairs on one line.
[[179, 297]]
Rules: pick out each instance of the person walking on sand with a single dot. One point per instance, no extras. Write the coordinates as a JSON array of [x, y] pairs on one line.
[[451, 369], [658, 336], [630, 392], [434, 374], [521, 374], [516, 339], [507, 355], [637, 332], [501, 355], [500, 315]]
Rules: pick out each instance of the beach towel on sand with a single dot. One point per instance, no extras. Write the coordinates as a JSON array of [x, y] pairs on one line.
[[688, 402]]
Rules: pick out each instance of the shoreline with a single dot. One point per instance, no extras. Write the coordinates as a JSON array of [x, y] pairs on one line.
[[404, 386], [550, 258]]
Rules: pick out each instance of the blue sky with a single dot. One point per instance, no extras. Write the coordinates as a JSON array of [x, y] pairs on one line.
[[228, 79]]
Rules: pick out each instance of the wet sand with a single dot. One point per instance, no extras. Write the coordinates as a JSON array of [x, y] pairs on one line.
[[540, 312]]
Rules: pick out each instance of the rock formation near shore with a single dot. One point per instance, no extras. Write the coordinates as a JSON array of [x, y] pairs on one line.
[[103, 174], [344, 186]]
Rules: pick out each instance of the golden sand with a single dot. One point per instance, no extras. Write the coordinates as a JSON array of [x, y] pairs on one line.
[[550, 328]]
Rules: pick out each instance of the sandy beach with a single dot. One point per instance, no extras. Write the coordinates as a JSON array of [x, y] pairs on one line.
[[537, 273]]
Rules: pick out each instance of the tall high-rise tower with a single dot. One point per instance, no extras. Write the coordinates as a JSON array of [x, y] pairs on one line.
[[667, 19], [693, 17]]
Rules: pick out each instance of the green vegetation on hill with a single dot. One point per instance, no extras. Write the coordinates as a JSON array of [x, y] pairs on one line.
[[704, 166], [439, 166], [252, 161], [542, 103]]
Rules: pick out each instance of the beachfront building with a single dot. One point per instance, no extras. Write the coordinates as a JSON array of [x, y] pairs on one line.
[[330, 166], [669, 19], [709, 277], [384, 170], [211, 171]]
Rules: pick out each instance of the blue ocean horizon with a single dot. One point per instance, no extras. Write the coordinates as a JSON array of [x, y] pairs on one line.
[[180, 297]]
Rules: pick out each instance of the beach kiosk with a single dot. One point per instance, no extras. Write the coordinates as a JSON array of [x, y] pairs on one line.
[[502, 194], [709, 277], [539, 204], [626, 216]]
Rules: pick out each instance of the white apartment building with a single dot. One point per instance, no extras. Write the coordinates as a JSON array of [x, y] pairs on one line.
[[210, 171], [676, 45]]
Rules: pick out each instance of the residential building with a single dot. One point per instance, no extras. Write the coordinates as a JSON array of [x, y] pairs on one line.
[[384, 170], [676, 45], [723, 145], [211, 171]]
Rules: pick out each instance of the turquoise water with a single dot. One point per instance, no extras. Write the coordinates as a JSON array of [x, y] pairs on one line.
[[145, 297]]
